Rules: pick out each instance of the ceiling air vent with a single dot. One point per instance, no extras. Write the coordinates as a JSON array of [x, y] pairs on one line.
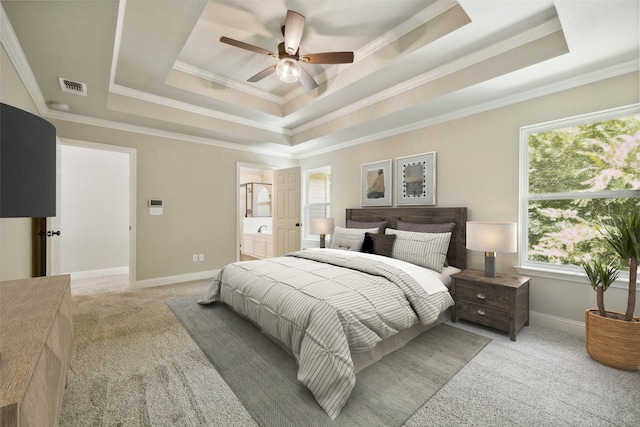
[[70, 86]]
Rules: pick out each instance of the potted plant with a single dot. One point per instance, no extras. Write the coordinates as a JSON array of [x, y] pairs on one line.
[[612, 338]]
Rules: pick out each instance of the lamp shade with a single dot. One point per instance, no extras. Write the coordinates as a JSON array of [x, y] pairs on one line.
[[27, 165], [322, 226], [492, 236]]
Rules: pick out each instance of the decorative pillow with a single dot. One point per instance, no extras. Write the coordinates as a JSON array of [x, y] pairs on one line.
[[379, 244], [428, 228], [349, 238], [424, 249], [360, 224]]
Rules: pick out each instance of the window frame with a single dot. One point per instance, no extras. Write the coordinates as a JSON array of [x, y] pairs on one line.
[[306, 223], [547, 270]]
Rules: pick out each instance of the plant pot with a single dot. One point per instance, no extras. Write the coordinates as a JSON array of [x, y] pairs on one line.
[[613, 342]]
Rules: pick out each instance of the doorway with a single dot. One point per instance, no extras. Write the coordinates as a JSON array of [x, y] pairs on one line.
[[97, 216], [255, 222]]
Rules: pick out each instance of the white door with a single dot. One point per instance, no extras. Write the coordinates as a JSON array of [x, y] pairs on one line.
[[53, 224], [286, 210]]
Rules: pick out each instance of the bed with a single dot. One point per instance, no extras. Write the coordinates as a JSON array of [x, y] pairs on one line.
[[337, 310]]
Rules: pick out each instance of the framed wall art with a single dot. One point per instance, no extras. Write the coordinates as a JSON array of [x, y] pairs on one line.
[[416, 179], [376, 184]]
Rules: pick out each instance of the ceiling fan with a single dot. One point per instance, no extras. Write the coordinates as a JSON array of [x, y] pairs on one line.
[[288, 68]]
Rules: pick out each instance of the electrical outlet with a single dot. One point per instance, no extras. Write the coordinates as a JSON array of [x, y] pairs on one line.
[[201, 257], [195, 258]]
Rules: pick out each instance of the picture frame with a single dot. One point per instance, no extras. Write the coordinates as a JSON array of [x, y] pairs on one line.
[[376, 183], [416, 179]]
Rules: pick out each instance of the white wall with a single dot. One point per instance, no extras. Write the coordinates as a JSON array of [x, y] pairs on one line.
[[94, 236]]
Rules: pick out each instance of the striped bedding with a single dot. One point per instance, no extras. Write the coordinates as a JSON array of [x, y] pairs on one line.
[[324, 304]]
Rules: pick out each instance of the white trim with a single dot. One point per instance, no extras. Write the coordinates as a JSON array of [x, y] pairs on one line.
[[225, 81], [191, 108], [610, 72], [170, 280], [113, 125], [89, 274], [569, 274], [461, 63], [558, 323]]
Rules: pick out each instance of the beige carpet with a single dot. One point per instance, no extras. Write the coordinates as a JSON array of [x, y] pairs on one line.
[[134, 365]]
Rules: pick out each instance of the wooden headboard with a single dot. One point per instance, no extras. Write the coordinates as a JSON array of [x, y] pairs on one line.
[[457, 255]]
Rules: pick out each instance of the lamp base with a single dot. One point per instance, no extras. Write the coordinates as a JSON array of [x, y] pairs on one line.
[[489, 264], [322, 240]]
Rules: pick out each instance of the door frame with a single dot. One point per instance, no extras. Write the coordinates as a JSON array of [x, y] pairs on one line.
[[241, 165], [132, 153]]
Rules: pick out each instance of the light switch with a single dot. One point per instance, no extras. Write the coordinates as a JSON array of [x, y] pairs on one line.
[[155, 211]]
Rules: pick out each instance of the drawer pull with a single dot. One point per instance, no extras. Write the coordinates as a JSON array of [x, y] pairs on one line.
[[481, 312], [480, 295]]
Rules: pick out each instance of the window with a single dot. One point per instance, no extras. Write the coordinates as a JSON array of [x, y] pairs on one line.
[[573, 172], [317, 199]]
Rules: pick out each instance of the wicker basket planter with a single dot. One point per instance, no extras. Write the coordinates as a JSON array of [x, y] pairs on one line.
[[613, 342]]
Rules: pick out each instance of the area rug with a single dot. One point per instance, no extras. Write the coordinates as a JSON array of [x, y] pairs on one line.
[[263, 376]]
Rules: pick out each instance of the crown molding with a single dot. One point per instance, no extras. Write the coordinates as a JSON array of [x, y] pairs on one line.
[[570, 83], [224, 81], [545, 29]]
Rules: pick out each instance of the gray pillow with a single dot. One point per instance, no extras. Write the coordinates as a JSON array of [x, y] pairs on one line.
[[379, 244], [426, 228], [361, 224]]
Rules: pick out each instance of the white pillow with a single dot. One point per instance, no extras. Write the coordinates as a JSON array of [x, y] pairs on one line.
[[350, 239], [425, 249]]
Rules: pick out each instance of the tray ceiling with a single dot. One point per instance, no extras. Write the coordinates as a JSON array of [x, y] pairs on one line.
[[158, 66]]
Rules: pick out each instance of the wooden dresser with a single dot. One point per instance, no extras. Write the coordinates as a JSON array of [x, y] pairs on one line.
[[36, 341], [501, 302]]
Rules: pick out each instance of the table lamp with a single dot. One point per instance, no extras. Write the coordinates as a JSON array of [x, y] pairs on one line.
[[322, 226], [491, 237]]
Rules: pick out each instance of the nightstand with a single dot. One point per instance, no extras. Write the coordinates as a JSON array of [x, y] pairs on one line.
[[500, 302]]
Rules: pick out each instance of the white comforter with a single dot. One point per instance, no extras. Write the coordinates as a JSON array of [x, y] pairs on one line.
[[324, 304]]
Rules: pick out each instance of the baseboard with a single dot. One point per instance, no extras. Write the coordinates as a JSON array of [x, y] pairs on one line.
[[559, 323], [170, 280], [88, 274]]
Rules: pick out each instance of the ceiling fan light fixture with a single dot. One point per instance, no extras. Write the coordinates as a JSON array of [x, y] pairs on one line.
[[288, 70]]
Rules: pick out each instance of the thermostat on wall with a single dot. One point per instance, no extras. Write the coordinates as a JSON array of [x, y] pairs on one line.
[[155, 206]]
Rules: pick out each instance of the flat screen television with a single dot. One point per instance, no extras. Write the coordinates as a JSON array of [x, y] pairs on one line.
[[27, 165]]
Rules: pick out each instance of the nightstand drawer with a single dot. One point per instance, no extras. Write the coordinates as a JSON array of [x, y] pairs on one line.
[[483, 315], [486, 295]]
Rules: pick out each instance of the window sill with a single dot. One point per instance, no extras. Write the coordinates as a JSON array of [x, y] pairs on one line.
[[567, 276]]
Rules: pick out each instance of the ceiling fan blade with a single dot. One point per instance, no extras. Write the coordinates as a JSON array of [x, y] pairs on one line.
[[262, 74], [293, 27], [306, 80], [328, 58], [243, 45]]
